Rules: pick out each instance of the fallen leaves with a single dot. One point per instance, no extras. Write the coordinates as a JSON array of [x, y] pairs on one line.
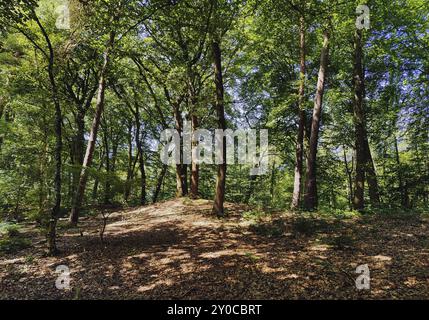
[[178, 250]]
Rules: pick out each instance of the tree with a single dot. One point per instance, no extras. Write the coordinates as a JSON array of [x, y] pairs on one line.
[[297, 187], [364, 162], [220, 111], [116, 22], [18, 17], [74, 215], [310, 197]]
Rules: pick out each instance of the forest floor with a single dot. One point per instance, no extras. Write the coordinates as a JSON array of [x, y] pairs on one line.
[[178, 250]]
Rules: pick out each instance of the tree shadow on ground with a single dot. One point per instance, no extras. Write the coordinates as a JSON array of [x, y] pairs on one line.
[[202, 257]]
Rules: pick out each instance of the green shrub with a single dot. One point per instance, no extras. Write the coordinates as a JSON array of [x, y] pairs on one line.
[[254, 214], [9, 229], [12, 245], [11, 239]]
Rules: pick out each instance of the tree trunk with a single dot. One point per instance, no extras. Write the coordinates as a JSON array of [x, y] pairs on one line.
[[364, 163], [110, 170], [349, 179], [107, 188], [194, 167], [139, 144], [371, 176], [405, 201], [359, 120], [42, 174], [96, 180], [181, 179], [127, 188], [273, 181], [142, 173], [185, 179], [297, 186], [74, 216], [77, 150], [52, 247], [310, 197], [218, 208], [58, 164], [159, 183]]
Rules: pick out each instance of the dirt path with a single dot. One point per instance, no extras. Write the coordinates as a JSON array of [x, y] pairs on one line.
[[176, 250]]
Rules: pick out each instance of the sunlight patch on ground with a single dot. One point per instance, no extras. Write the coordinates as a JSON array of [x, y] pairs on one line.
[[166, 282], [204, 223], [220, 253], [320, 247], [12, 261], [381, 258], [158, 248]]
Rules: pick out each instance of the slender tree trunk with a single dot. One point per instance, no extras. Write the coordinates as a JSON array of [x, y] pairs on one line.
[[42, 173], [273, 181], [184, 170], [297, 186], [194, 167], [127, 189], [359, 120], [310, 197], [57, 178], [405, 200], [142, 173], [78, 150], [371, 176], [107, 191], [52, 247], [17, 203], [218, 208], [74, 216], [96, 180], [349, 179], [181, 182], [159, 183], [109, 195], [139, 144]]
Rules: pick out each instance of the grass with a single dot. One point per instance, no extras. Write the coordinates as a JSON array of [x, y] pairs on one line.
[[254, 215], [251, 256], [29, 259]]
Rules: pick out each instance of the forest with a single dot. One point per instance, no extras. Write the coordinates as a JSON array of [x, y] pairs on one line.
[[328, 99]]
